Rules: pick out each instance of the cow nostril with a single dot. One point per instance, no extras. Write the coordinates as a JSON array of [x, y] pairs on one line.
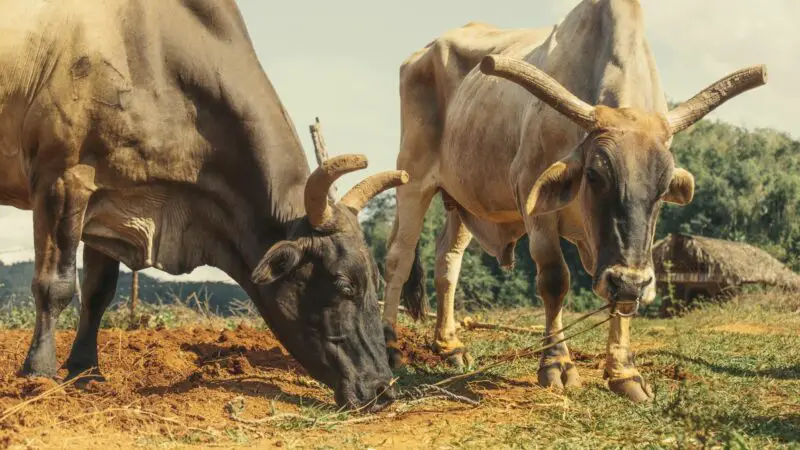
[[614, 282]]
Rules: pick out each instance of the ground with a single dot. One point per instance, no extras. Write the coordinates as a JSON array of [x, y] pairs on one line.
[[724, 376]]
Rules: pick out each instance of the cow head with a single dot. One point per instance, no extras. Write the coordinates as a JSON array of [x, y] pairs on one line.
[[621, 174], [325, 283]]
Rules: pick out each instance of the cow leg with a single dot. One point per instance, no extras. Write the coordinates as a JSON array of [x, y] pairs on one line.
[[623, 377], [99, 287], [552, 283], [449, 253], [58, 212], [412, 202]]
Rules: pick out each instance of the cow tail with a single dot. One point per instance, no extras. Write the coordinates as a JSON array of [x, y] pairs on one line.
[[413, 296]]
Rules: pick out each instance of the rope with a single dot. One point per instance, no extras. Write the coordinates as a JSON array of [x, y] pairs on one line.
[[530, 351]]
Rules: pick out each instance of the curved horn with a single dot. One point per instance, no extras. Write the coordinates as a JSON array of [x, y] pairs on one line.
[[363, 192], [316, 193], [543, 86], [713, 96]]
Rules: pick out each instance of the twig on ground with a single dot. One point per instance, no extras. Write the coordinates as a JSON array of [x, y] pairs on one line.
[[419, 393], [468, 323]]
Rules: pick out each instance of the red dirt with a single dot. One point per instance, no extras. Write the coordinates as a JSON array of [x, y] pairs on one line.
[[170, 388], [188, 372], [161, 384]]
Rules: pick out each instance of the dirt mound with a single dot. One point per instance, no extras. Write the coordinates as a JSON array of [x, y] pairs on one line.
[[160, 381], [152, 377], [415, 350]]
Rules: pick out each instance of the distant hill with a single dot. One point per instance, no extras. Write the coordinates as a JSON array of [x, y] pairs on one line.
[[15, 286]]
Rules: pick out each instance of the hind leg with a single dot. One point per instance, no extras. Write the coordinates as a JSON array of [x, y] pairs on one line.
[[452, 243], [412, 202], [556, 368], [58, 211], [99, 287]]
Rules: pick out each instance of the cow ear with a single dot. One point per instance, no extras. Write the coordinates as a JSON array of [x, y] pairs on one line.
[[279, 260], [557, 186], [681, 188]]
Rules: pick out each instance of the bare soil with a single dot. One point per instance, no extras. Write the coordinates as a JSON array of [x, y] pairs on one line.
[[209, 386], [170, 388]]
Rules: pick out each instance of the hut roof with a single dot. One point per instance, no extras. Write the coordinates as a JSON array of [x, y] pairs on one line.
[[703, 259]]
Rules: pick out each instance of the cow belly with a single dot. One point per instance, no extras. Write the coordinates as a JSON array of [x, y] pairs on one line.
[[141, 229]]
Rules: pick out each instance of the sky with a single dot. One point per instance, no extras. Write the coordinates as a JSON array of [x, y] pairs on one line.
[[340, 61]]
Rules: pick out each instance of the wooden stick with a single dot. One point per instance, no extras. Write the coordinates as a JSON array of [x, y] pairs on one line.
[[468, 323], [134, 296], [321, 152]]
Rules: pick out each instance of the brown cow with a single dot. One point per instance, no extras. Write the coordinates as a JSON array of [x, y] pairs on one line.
[[149, 130], [549, 165]]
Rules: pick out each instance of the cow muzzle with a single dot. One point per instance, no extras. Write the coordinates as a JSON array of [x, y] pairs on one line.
[[370, 394], [625, 288]]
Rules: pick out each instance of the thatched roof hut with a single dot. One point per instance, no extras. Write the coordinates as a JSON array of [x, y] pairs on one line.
[[701, 260]]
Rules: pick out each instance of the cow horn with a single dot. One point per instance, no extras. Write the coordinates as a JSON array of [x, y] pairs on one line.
[[543, 86], [316, 193], [710, 98], [363, 192]]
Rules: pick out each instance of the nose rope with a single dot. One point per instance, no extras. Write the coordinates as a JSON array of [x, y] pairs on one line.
[[532, 350], [615, 312]]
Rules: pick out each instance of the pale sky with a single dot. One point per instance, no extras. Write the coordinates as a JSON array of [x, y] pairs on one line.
[[340, 61]]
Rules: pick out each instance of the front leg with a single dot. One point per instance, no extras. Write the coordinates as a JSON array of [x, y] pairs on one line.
[[449, 254], [412, 202], [556, 368], [58, 211], [623, 377]]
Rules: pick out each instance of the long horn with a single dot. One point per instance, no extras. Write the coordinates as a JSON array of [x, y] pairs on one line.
[[357, 197], [713, 96], [543, 86], [316, 192]]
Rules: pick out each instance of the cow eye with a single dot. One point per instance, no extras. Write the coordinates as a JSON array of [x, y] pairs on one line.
[[593, 175]]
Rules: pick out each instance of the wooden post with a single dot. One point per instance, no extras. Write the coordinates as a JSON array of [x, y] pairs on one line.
[[321, 152], [134, 296]]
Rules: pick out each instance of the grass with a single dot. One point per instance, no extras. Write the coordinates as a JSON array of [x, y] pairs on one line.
[[715, 387], [725, 376]]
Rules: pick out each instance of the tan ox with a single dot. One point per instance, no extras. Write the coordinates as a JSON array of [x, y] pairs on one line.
[[549, 165]]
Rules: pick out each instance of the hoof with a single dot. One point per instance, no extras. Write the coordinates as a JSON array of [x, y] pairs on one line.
[[454, 353], [30, 371], [570, 377], [396, 359], [84, 377], [460, 359], [635, 389], [559, 376]]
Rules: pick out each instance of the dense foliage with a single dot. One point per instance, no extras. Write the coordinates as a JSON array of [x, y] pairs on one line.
[[747, 189]]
